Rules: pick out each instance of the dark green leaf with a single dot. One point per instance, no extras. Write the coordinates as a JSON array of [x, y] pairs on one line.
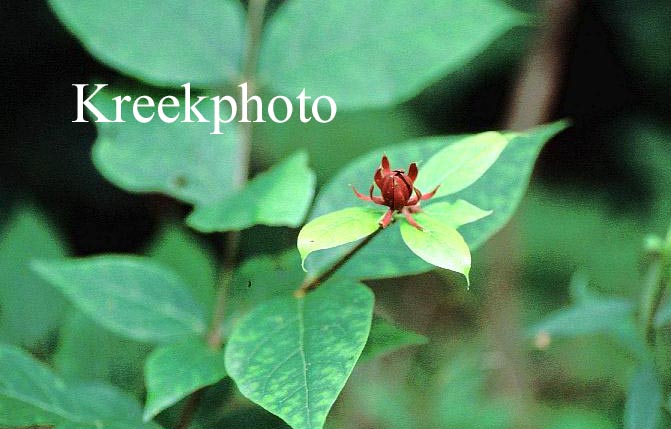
[[132, 296], [500, 189], [293, 356], [643, 409], [30, 394], [87, 351], [380, 59], [164, 43], [180, 159], [29, 308], [177, 248], [386, 338], [174, 371], [262, 278], [280, 196], [605, 315]]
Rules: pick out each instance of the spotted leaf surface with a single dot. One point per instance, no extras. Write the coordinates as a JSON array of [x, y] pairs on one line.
[[293, 356]]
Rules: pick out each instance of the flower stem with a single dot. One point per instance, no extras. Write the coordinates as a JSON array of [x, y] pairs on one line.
[[312, 283]]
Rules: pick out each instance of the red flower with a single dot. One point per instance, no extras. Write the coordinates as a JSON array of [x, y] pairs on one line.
[[397, 189]]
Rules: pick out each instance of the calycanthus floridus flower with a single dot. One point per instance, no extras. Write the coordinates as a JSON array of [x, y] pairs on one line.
[[398, 192]]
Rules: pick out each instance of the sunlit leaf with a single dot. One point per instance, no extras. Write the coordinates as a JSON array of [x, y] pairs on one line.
[[500, 190], [460, 164], [337, 228], [438, 244]]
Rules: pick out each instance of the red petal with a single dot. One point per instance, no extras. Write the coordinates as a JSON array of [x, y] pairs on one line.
[[411, 220], [385, 165], [378, 177], [412, 172], [416, 199], [430, 194], [360, 195]]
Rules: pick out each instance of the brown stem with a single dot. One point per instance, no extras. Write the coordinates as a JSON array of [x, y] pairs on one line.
[[532, 102], [255, 15], [312, 283], [189, 409]]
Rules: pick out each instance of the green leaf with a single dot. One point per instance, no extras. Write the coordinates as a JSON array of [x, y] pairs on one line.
[[386, 338], [336, 229], [380, 59], [182, 160], [455, 214], [165, 43], [174, 371], [131, 296], [605, 315], [87, 351], [643, 409], [438, 244], [260, 279], [500, 189], [30, 394], [29, 309], [663, 316], [177, 248], [293, 356], [280, 196], [459, 165]]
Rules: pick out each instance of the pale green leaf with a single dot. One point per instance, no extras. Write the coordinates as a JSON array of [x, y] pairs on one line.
[[164, 43], [381, 58], [29, 309], [438, 243], [31, 395], [455, 214], [386, 338], [643, 409], [293, 356], [500, 189], [182, 160], [459, 165], [280, 196], [174, 371], [131, 296], [336, 229], [177, 248]]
